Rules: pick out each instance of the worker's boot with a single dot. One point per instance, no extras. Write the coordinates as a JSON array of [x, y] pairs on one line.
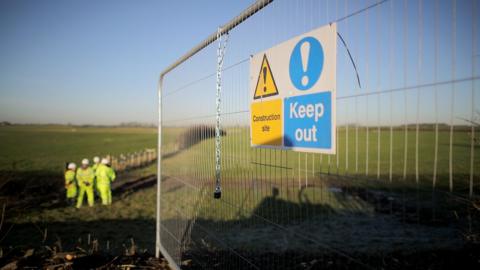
[[71, 201]]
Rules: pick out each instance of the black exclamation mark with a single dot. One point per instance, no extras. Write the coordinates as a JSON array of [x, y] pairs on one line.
[[264, 79]]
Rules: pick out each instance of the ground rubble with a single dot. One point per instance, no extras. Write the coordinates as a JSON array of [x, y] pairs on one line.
[[49, 258]]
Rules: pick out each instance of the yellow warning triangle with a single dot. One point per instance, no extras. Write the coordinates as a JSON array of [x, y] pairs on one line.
[[266, 86]]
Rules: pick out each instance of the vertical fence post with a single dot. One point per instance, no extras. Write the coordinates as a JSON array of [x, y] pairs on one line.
[[158, 241], [159, 167]]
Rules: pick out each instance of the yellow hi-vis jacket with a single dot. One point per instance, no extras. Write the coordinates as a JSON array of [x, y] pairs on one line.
[[94, 167], [85, 177], [70, 179]]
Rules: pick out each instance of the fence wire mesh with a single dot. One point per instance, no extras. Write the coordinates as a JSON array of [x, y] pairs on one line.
[[403, 188]]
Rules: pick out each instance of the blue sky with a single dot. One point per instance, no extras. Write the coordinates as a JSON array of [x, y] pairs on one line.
[[397, 44], [98, 61], [95, 61]]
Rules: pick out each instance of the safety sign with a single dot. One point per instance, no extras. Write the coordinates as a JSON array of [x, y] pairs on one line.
[[293, 93], [265, 83]]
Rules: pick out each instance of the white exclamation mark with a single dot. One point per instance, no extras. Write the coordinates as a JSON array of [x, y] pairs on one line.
[[305, 52]]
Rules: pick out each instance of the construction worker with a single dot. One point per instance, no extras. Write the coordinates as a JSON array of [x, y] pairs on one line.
[[105, 175], [96, 162], [85, 178], [70, 183]]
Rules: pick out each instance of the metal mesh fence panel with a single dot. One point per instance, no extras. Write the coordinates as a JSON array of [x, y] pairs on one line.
[[403, 188]]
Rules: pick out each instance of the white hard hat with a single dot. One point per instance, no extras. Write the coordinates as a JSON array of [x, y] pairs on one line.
[[71, 166], [105, 161], [84, 161], [96, 159]]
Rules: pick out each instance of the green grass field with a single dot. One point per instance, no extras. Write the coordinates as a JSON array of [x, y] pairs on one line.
[[31, 162], [245, 169], [324, 198], [353, 157], [306, 186], [31, 148]]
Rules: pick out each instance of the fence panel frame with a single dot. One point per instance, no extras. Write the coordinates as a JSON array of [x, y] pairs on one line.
[[251, 10]]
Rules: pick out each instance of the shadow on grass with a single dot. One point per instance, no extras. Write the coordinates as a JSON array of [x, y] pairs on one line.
[[26, 182], [41, 190], [281, 234], [21, 190]]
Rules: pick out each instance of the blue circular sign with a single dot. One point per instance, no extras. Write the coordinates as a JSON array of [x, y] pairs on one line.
[[306, 63]]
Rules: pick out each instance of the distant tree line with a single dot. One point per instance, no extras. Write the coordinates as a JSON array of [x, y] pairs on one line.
[[126, 124]]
